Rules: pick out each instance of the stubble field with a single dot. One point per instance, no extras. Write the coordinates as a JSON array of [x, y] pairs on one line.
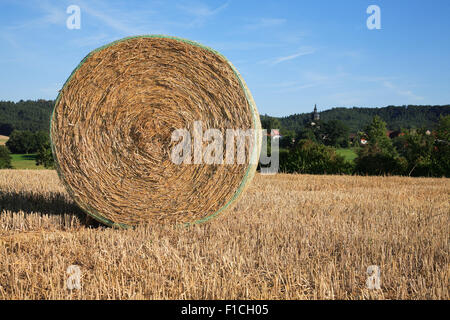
[[289, 237]]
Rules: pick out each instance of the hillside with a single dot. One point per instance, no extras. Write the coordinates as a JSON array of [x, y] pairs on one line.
[[358, 118], [35, 115], [25, 115]]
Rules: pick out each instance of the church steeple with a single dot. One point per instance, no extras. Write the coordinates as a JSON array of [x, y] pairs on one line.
[[316, 116]]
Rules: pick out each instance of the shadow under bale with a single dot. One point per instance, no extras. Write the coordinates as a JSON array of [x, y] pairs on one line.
[[53, 203]]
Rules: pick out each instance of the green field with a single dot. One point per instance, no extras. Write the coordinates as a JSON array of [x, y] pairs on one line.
[[348, 153], [28, 161], [24, 161]]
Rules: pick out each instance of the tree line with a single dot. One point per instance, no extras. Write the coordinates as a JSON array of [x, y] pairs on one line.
[[27, 142], [357, 119], [34, 115], [307, 146], [414, 152], [30, 115]]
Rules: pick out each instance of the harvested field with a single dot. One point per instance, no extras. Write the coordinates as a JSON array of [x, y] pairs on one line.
[[3, 140], [289, 237]]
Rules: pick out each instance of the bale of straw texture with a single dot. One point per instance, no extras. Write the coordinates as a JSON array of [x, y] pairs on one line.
[[112, 125]]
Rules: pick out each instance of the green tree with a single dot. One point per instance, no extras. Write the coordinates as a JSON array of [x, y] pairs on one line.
[[335, 133], [26, 141], [5, 158], [379, 155], [44, 156], [288, 139], [441, 150], [313, 158], [21, 142], [376, 135], [307, 133], [270, 123], [41, 138], [416, 146]]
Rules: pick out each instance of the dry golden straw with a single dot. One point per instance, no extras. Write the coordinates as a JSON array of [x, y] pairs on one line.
[[112, 126]]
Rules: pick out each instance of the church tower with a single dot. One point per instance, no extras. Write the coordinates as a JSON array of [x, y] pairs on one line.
[[316, 115]]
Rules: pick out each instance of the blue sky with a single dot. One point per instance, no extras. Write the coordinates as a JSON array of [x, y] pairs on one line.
[[292, 54]]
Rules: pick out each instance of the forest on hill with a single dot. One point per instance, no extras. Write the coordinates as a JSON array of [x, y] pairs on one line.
[[30, 115], [356, 119], [34, 115]]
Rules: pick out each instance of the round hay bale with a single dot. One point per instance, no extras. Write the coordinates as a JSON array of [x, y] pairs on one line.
[[113, 123]]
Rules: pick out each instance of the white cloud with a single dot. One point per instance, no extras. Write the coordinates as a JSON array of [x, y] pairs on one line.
[[406, 93], [51, 15], [240, 45], [200, 13], [111, 20], [294, 87], [388, 84], [265, 23], [303, 52], [201, 10], [293, 56]]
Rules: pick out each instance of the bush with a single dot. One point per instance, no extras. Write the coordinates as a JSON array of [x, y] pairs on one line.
[[335, 133], [45, 157], [440, 156], [379, 157], [416, 147], [310, 157], [372, 160], [26, 141], [5, 158]]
